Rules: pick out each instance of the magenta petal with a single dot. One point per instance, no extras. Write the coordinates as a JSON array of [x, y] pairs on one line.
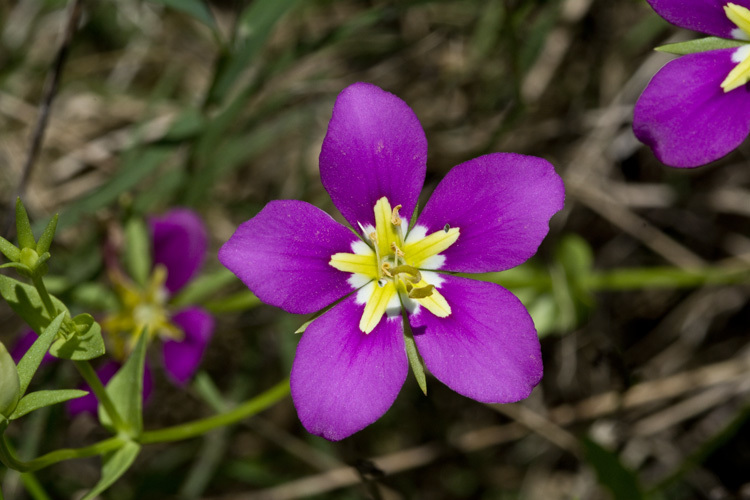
[[182, 358], [487, 349], [686, 117], [282, 255], [375, 147], [706, 16], [179, 243], [342, 379], [501, 203]]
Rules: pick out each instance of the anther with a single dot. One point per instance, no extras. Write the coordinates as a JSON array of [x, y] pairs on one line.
[[395, 219], [385, 268], [422, 292], [395, 249], [373, 237]]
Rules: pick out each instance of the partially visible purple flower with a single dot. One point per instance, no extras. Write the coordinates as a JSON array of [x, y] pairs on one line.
[[488, 214], [179, 243], [696, 109]]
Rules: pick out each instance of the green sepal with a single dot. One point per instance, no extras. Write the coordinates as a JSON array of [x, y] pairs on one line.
[[204, 287], [45, 240], [241, 301], [12, 252], [126, 390], [82, 345], [137, 250], [700, 45], [25, 301], [304, 326], [10, 386], [415, 360], [114, 465], [23, 227], [22, 269], [30, 361], [40, 399]]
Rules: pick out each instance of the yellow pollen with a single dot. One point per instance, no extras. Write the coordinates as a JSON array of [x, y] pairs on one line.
[[393, 267]]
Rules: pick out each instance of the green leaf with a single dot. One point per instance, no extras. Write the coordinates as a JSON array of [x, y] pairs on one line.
[[203, 287], [137, 250], [93, 295], [621, 481], [30, 361], [12, 252], [700, 45], [415, 360], [253, 29], [126, 390], [25, 301], [10, 386], [85, 344], [45, 240], [194, 8], [114, 465], [241, 301], [40, 399], [23, 227]]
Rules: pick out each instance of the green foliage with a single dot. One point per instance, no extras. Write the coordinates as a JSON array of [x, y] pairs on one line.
[[700, 45], [42, 246], [23, 227], [30, 361], [9, 384], [137, 250], [40, 399], [114, 465], [126, 390], [12, 252], [84, 344], [25, 301], [194, 8], [415, 360], [621, 481]]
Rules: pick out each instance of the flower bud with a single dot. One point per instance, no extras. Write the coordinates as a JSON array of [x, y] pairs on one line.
[[10, 385]]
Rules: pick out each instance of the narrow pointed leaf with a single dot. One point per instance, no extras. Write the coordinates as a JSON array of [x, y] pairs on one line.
[[40, 399], [700, 45], [114, 465], [10, 390], [30, 361], [137, 250], [23, 227], [126, 390], [12, 252], [194, 8], [612, 474], [45, 240], [415, 360], [25, 301], [87, 343]]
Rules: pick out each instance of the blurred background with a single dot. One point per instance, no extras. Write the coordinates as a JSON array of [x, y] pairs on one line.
[[640, 291]]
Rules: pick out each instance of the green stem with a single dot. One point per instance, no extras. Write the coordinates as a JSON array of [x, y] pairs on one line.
[[92, 379], [664, 277], [10, 461], [44, 295], [198, 427]]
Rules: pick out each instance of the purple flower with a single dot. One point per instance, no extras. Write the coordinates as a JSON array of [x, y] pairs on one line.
[[488, 214], [696, 109], [179, 243]]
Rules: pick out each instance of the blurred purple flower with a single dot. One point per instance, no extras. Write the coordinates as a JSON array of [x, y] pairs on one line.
[[488, 214], [696, 109], [179, 244]]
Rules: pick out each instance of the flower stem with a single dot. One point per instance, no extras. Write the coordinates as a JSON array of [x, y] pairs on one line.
[[176, 433], [199, 427], [92, 379], [44, 295]]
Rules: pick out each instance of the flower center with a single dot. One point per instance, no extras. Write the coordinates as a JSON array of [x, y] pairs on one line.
[[391, 269], [140, 308], [740, 75]]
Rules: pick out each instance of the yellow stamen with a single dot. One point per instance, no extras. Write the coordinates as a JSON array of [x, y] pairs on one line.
[[376, 306], [430, 245]]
